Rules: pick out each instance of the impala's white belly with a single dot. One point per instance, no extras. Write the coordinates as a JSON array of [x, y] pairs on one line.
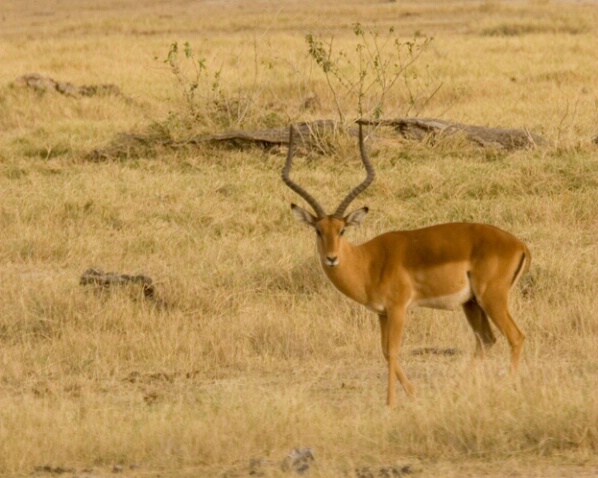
[[445, 302], [445, 286]]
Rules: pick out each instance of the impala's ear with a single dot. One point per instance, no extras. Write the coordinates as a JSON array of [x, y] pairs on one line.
[[354, 218], [303, 216]]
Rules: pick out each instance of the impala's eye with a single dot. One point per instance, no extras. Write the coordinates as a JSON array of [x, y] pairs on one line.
[[318, 232], [342, 233]]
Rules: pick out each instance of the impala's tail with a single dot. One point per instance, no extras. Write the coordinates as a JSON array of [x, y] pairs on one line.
[[523, 267]]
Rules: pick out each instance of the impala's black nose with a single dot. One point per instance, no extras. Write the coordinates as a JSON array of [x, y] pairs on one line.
[[331, 261]]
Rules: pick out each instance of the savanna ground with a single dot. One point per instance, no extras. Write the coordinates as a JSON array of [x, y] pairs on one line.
[[247, 351]]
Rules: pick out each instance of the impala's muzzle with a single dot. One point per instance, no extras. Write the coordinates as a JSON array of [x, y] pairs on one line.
[[331, 261]]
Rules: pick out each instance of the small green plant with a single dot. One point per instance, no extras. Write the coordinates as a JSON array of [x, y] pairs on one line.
[[376, 67], [201, 89], [190, 82], [213, 101]]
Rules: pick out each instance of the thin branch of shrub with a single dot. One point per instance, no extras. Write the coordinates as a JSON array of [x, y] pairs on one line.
[[372, 72]]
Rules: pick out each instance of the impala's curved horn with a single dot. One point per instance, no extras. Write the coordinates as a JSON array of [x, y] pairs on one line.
[[366, 182], [294, 186]]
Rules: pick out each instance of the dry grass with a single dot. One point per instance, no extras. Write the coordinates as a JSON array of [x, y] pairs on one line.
[[247, 351]]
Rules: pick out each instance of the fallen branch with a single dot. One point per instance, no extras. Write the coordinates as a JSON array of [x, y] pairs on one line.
[[313, 135], [423, 128], [309, 134]]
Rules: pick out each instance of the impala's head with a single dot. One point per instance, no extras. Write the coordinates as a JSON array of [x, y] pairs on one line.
[[330, 229]]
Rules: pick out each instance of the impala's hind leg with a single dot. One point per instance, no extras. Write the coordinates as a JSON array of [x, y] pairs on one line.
[[494, 302], [478, 320]]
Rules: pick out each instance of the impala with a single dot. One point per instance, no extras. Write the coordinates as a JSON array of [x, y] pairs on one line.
[[445, 266]]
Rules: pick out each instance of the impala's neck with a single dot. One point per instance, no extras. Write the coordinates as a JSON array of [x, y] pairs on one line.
[[350, 275]]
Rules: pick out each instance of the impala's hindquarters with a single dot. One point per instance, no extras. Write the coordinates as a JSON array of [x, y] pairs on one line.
[[491, 301], [495, 306]]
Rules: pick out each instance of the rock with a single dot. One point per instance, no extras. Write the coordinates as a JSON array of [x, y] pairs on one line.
[[298, 460]]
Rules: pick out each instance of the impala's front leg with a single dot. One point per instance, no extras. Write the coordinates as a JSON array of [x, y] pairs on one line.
[[391, 331]]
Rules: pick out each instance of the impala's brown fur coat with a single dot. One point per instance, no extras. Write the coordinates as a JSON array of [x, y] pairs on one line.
[[443, 266]]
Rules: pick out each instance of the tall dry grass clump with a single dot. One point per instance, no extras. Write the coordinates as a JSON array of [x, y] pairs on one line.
[[246, 351]]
